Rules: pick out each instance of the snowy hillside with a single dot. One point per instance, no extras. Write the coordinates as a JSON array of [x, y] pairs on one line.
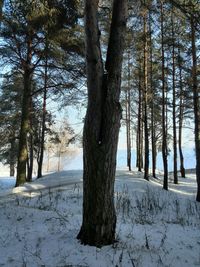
[[39, 223]]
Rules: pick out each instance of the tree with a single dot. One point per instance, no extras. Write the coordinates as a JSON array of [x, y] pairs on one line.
[[196, 101], [164, 127], [174, 99], [145, 93], [24, 31], [1, 6], [101, 127], [10, 98]]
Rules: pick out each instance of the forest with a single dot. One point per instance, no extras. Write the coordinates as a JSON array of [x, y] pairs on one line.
[[125, 64]]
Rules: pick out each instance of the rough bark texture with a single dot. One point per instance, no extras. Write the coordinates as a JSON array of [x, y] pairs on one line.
[[25, 126], [101, 126], [196, 102], [25, 116]]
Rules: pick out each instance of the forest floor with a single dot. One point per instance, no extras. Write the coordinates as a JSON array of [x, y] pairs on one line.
[[39, 223]]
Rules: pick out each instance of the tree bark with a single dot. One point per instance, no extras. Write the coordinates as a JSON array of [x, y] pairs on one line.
[[41, 155], [153, 139], [128, 118], [174, 103], [180, 127], [25, 127], [139, 126], [25, 116], [164, 132], [12, 157], [101, 127], [196, 102], [146, 129], [1, 7]]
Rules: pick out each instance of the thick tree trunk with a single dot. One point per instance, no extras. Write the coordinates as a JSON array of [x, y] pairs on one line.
[[25, 117], [174, 104], [25, 127], [196, 101], [101, 126], [164, 128]]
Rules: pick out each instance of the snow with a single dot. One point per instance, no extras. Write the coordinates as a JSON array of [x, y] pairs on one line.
[[39, 223]]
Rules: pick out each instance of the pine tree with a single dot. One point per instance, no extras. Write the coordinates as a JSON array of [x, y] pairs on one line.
[[10, 98], [101, 126]]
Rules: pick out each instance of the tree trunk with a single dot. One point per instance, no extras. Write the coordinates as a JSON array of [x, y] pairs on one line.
[[196, 106], [164, 132], [1, 7], [30, 144], [41, 155], [101, 126], [146, 129], [137, 147], [25, 116], [139, 126], [12, 157], [128, 118], [180, 127], [153, 139], [25, 128], [174, 103], [30, 158]]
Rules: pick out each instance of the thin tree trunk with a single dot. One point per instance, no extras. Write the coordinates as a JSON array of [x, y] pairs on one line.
[[146, 130], [196, 106], [164, 132], [12, 157], [1, 7], [48, 159], [174, 103], [101, 128], [153, 139], [41, 155], [142, 138], [139, 145], [128, 118], [30, 144], [30, 159], [181, 109]]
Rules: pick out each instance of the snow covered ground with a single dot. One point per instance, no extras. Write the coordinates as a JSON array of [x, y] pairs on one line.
[[39, 223]]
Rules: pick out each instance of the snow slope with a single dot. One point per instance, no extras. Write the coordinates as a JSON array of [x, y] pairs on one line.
[[39, 223]]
